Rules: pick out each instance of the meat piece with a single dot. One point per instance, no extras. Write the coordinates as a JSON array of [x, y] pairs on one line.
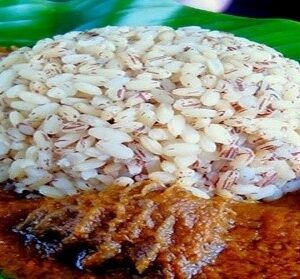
[[146, 224]]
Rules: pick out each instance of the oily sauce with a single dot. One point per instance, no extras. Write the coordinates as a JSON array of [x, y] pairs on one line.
[[265, 243], [17, 260], [145, 226]]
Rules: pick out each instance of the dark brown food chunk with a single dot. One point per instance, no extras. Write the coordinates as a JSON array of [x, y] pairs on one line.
[[146, 224]]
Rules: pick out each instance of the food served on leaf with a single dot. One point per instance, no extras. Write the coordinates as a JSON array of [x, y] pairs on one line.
[[146, 145]]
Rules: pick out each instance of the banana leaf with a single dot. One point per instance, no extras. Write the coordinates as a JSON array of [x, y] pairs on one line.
[[3, 275], [23, 22]]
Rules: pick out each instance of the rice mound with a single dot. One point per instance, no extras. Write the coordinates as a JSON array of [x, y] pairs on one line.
[[212, 112]]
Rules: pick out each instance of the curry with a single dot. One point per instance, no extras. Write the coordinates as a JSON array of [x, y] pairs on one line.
[[264, 243]]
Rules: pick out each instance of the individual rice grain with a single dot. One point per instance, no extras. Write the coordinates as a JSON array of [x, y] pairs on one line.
[[76, 58], [59, 80], [42, 140], [51, 192], [15, 118], [94, 80], [4, 145], [14, 91], [89, 164], [45, 159], [25, 129], [195, 191], [32, 153], [227, 179], [117, 150], [176, 125], [52, 124], [142, 84], [69, 113], [264, 192], [32, 75], [17, 168], [131, 60], [93, 121], [129, 127], [215, 66], [162, 96], [108, 134], [163, 177], [186, 103], [57, 93], [168, 166], [87, 109], [181, 149], [218, 134], [41, 112], [148, 117], [22, 106], [164, 113], [84, 144], [190, 135], [199, 112], [87, 88], [293, 137], [185, 161], [160, 134], [189, 92], [6, 79], [38, 87], [116, 94], [82, 185], [202, 122], [67, 140], [33, 98], [245, 189], [151, 145], [206, 143], [283, 170], [124, 181], [210, 98]]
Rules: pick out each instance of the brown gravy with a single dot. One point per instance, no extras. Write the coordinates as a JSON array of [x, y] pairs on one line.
[[265, 243]]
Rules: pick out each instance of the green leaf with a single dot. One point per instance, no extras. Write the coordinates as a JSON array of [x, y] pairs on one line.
[[23, 22], [3, 276]]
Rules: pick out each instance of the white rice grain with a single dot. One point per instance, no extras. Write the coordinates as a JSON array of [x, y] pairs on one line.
[[151, 145], [117, 150], [218, 134], [108, 134], [181, 149], [33, 98]]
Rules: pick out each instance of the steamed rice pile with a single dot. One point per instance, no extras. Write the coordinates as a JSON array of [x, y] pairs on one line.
[[215, 113]]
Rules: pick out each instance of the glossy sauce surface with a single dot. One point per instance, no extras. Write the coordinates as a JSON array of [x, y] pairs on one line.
[[265, 243]]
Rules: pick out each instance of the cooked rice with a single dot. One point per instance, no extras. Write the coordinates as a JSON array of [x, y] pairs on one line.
[[215, 113]]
